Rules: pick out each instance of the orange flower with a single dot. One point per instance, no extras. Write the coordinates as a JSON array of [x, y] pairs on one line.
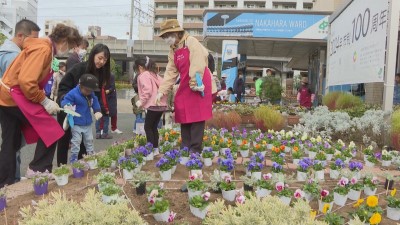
[[244, 142], [282, 147], [295, 148], [205, 138], [229, 141], [376, 218], [258, 146]]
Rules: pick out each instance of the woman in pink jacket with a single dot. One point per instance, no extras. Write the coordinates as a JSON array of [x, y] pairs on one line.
[[148, 85]]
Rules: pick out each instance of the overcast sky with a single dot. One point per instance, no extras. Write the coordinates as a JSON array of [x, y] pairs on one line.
[[111, 15]]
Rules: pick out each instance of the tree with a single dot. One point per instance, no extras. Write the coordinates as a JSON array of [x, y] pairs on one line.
[[116, 69], [271, 89], [2, 38]]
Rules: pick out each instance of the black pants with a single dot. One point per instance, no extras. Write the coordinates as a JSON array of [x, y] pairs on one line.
[[63, 143], [11, 119], [150, 126], [192, 135]]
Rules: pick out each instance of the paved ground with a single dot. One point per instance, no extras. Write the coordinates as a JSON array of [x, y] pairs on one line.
[[125, 124]]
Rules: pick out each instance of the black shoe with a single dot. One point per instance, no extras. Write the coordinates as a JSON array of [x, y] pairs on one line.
[[184, 188]]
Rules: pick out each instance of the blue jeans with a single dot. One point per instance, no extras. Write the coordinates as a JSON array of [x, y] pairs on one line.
[[106, 120], [80, 133], [139, 117]]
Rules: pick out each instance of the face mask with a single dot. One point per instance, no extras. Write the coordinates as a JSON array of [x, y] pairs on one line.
[[170, 40], [81, 53]]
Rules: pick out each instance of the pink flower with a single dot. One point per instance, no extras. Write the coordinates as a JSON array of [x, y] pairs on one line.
[[171, 217], [267, 176], [375, 180], [151, 201], [279, 186], [310, 181], [324, 193], [206, 196], [240, 199], [153, 193], [343, 181], [193, 176], [298, 194], [228, 178], [161, 185], [354, 180]]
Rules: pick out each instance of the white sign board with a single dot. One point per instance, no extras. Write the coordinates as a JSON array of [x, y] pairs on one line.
[[357, 43]]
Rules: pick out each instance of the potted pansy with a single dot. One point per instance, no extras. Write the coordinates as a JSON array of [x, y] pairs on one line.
[[160, 210], [325, 201], [228, 188], [264, 186], [224, 146], [78, 169], [296, 155], [284, 193], [355, 189], [207, 141], [355, 167], [329, 151], [321, 157], [173, 157], [128, 166], [313, 149], [386, 158], [319, 170], [368, 211], [165, 147], [244, 150], [156, 192], [369, 151], [340, 191], [194, 164], [393, 208], [3, 199], [276, 169], [91, 160], [41, 183], [105, 178], [303, 168], [371, 160], [370, 185], [195, 185], [298, 194], [198, 205], [104, 163], [150, 151], [216, 149], [207, 155], [258, 148], [110, 193], [165, 168], [61, 175], [311, 189], [226, 165], [255, 168], [335, 168], [185, 155]]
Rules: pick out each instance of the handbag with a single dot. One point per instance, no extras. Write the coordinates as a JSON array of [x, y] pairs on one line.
[[135, 109]]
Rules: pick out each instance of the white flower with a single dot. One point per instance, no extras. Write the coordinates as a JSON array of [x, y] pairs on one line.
[[352, 145]]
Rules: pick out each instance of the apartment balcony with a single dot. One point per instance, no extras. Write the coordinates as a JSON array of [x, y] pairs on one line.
[[191, 25], [193, 12], [166, 12], [164, 1], [196, 1]]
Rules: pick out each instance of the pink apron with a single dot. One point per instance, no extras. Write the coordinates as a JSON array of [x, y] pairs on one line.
[[41, 124], [189, 105]]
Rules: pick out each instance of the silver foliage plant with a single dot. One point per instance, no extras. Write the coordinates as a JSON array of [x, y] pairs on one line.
[[335, 125]]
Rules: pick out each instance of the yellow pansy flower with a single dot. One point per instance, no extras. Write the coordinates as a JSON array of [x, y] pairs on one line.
[[326, 208], [372, 201], [393, 192], [313, 214], [358, 203], [375, 219]]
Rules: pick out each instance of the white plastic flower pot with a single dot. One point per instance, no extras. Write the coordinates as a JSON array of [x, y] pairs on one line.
[[263, 153], [296, 161], [334, 174], [248, 173], [128, 174], [285, 200], [339, 199], [61, 180], [193, 193], [113, 165], [239, 142], [155, 199], [347, 160], [244, 153], [312, 154], [150, 156], [92, 164], [301, 176], [216, 153], [229, 195], [198, 172], [156, 151], [222, 151], [320, 175], [321, 205], [393, 213], [366, 157], [329, 157], [308, 196], [184, 160], [369, 164], [368, 191], [107, 199], [223, 174], [162, 217], [262, 192], [207, 162], [386, 163], [256, 175], [287, 149], [354, 195], [269, 146], [166, 175], [173, 169], [197, 212]]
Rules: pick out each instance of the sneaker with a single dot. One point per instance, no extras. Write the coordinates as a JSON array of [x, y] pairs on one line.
[[116, 131], [106, 136], [98, 136]]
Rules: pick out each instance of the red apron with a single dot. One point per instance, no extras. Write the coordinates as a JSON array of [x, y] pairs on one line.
[[189, 105], [41, 124]]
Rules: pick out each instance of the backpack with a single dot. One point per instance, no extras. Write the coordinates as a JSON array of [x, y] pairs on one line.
[[211, 63]]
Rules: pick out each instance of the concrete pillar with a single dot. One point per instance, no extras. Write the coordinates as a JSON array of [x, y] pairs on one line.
[[299, 5], [268, 4], [179, 15], [374, 93], [211, 4], [240, 4]]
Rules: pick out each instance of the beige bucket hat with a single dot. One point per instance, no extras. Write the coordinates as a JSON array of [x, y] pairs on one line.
[[171, 25]]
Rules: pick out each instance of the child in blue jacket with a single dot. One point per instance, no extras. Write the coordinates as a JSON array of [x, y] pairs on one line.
[[81, 99]]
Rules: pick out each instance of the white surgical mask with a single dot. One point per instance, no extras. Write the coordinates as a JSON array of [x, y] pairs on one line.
[[170, 40], [81, 53]]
